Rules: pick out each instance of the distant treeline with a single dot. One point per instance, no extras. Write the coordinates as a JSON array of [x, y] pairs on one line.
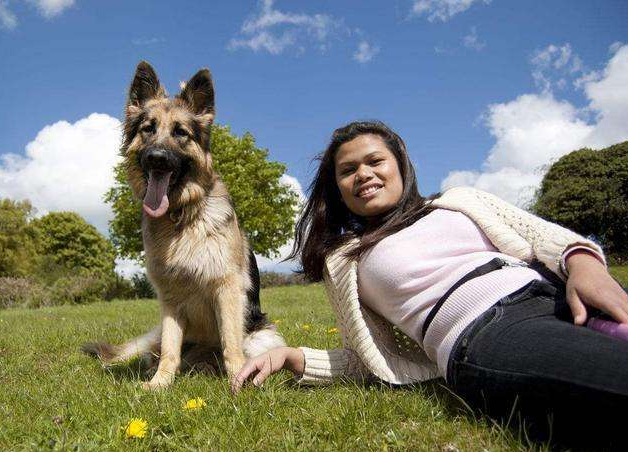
[[56, 259]]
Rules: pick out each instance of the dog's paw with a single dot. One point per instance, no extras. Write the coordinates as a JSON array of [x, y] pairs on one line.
[[159, 381]]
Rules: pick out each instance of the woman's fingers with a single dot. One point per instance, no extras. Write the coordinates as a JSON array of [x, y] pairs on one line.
[[616, 307], [264, 372], [578, 309], [251, 366]]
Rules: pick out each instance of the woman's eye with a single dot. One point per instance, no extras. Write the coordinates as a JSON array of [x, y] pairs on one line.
[[179, 132]]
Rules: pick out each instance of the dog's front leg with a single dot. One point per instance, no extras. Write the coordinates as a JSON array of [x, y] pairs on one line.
[[172, 326], [230, 318]]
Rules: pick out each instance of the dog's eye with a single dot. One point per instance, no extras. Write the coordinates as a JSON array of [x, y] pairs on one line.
[[179, 132], [150, 128]]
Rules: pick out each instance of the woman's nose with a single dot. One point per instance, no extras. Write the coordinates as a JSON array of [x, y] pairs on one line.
[[363, 173]]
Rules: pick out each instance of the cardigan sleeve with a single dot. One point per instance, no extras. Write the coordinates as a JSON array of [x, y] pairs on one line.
[[549, 241], [325, 366]]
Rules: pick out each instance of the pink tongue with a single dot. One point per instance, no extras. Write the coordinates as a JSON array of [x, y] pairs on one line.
[[156, 199]]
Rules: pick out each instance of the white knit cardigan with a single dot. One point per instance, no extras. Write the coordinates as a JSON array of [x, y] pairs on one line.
[[373, 348]]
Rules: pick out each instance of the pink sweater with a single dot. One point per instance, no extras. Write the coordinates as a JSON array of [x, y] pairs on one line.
[[405, 274]]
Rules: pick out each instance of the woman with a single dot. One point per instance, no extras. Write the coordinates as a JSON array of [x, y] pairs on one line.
[[452, 274]]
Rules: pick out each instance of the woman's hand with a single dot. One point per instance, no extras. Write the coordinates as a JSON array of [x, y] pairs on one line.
[[590, 284], [266, 364]]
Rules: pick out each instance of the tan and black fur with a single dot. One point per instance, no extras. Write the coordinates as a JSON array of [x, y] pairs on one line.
[[197, 256]]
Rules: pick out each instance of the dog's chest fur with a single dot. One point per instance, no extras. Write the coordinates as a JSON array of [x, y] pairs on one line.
[[188, 263]]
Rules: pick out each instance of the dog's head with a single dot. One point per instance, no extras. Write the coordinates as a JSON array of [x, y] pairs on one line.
[[167, 141]]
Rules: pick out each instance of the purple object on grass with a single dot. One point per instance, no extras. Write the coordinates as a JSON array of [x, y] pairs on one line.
[[618, 330]]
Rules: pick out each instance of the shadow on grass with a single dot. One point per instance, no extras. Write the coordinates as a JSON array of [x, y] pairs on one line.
[[536, 428], [194, 360]]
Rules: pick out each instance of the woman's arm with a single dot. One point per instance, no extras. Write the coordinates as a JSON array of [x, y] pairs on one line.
[[584, 269], [534, 238], [309, 366]]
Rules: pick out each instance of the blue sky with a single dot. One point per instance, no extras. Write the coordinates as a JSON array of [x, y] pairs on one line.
[[484, 92]]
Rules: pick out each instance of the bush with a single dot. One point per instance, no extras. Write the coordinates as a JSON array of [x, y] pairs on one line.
[[21, 293], [78, 289], [120, 288], [587, 192], [73, 243], [18, 239], [143, 287], [273, 279]]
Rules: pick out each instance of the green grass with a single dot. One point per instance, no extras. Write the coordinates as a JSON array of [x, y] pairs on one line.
[[53, 397], [620, 272]]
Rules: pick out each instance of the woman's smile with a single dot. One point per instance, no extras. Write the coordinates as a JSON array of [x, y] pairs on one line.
[[368, 191]]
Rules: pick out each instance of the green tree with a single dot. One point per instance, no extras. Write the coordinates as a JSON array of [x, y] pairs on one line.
[[74, 244], [587, 191], [264, 206], [18, 239]]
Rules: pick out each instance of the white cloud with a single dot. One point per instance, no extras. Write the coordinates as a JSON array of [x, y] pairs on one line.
[[294, 184], [274, 31], [442, 10], [66, 167], [128, 267], [52, 8], [614, 47], [47, 8], [147, 41], [553, 64], [365, 52], [8, 20], [276, 264], [266, 41], [534, 130], [472, 42], [608, 97]]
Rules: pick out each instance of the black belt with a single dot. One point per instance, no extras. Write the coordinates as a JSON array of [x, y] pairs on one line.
[[494, 264]]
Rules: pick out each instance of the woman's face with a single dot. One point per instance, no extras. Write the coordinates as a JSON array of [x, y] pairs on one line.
[[367, 174]]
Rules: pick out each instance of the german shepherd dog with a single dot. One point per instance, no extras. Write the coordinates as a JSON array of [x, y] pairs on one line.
[[197, 256]]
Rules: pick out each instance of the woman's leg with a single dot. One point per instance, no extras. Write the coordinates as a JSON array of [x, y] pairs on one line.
[[520, 357]]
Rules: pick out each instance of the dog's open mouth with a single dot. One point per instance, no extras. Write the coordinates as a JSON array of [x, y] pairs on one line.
[[156, 198]]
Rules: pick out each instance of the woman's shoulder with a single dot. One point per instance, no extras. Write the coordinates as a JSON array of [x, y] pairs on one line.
[[467, 197]]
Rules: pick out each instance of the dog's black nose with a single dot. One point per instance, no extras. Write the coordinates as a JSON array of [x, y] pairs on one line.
[[159, 159]]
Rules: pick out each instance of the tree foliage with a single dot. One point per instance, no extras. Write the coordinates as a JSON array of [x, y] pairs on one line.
[[18, 239], [587, 191], [264, 206], [74, 244]]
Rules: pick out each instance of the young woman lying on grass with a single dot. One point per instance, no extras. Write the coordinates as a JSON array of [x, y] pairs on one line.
[[494, 299]]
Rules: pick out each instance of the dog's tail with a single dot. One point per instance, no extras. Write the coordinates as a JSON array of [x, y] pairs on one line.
[[111, 354], [262, 340]]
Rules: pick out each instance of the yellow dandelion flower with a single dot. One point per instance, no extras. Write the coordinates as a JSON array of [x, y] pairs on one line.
[[136, 428], [277, 321], [194, 404], [332, 330], [306, 326]]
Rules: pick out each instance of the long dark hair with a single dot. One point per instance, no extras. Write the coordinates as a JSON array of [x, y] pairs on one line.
[[326, 223]]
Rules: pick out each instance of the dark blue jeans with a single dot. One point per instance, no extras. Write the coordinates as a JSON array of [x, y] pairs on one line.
[[525, 355]]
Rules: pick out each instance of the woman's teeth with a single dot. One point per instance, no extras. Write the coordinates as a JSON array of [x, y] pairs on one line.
[[368, 191]]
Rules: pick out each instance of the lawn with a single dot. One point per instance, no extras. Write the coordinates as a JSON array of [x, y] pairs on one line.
[[53, 397]]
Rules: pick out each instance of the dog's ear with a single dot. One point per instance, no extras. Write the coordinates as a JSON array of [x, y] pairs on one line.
[[198, 93], [145, 86]]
